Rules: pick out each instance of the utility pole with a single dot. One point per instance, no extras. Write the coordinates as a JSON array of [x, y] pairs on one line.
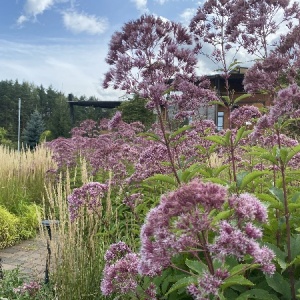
[[19, 124]]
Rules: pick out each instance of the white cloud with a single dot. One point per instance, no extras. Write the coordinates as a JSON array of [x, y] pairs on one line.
[[78, 23], [36, 7], [68, 67], [141, 5], [187, 15], [22, 19], [32, 8]]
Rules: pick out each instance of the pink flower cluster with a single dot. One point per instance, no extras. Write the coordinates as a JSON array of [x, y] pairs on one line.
[[177, 222], [30, 288], [88, 196], [244, 115]]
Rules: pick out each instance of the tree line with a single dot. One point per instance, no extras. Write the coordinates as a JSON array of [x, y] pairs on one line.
[[40, 106]]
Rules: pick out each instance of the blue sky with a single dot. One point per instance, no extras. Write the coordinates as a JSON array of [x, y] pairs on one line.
[[63, 43]]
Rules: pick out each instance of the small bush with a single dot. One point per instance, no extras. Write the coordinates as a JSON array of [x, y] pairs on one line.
[[8, 228]]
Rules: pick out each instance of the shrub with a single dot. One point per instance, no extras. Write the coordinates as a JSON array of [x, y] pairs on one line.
[[8, 228]]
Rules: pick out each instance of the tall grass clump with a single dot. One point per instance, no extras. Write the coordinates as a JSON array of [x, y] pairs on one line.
[[78, 245], [22, 176], [22, 183]]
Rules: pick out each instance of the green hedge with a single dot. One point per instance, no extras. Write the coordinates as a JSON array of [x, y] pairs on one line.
[[14, 228]]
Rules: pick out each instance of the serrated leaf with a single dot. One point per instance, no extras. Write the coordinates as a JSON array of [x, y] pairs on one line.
[[227, 138], [184, 282], [283, 153], [295, 248], [239, 135], [240, 98], [196, 265], [270, 157], [292, 152], [217, 171], [255, 294], [251, 176], [217, 103], [163, 178], [216, 139], [241, 268], [236, 280], [216, 180], [278, 193], [278, 283], [222, 215], [226, 99], [180, 130], [151, 136]]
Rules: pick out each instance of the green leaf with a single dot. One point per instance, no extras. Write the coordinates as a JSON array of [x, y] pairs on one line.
[[255, 294], [278, 193], [184, 282], [163, 178], [292, 152], [218, 170], [196, 265], [270, 157], [216, 139], [240, 98], [227, 138], [283, 153], [241, 133], [179, 131], [280, 285], [236, 280], [274, 202], [295, 245], [222, 215], [151, 136], [226, 99], [241, 268], [217, 103], [216, 180], [280, 255], [239, 178], [251, 176]]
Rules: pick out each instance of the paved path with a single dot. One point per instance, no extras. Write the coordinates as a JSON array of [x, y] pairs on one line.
[[29, 256]]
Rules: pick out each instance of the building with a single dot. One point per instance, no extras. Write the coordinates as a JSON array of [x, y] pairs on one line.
[[221, 113]]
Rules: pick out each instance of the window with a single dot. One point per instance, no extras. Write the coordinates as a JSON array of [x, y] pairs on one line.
[[220, 121]]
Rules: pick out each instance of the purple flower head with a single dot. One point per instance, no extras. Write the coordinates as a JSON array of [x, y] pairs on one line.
[[115, 120], [133, 200], [248, 207], [30, 288], [244, 114], [208, 284], [121, 277], [240, 242], [89, 196], [115, 252], [173, 226]]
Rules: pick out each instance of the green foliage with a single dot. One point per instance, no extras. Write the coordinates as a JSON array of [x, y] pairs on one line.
[[3, 140], [33, 130], [14, 279], [134, 110], [9, 223]]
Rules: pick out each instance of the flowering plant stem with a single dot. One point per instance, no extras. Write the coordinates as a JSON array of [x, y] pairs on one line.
[[287, 220]]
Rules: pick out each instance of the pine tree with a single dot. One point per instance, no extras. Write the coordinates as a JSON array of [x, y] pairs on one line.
[[33, 130]]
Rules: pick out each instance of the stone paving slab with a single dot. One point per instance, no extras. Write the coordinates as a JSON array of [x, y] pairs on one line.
[[29, 256]]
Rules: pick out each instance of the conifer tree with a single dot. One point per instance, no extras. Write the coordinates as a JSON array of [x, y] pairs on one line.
[[33, 130]]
